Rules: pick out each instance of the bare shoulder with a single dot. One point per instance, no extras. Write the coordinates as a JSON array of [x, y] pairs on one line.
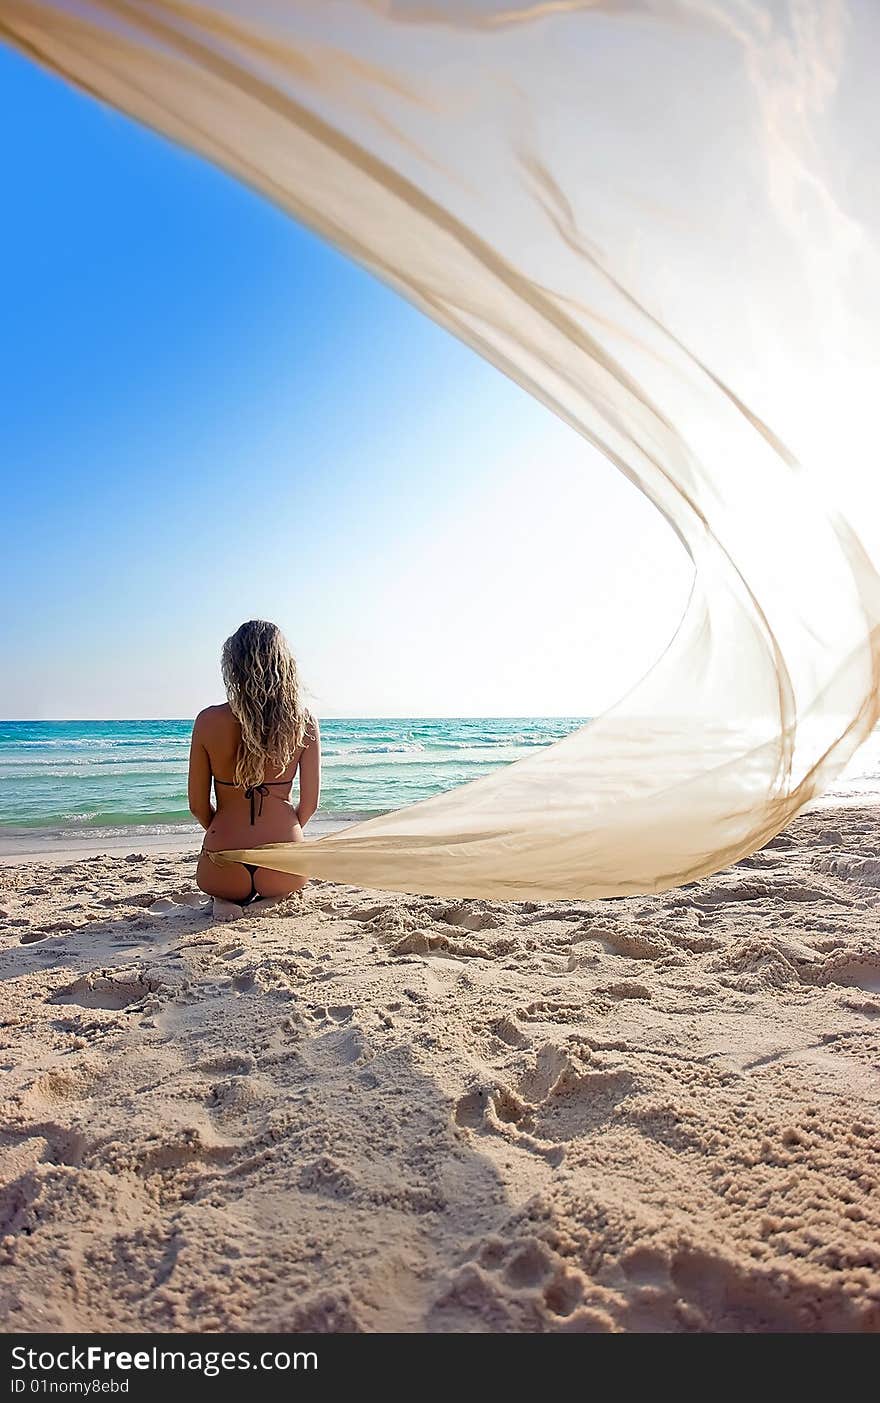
[[313, 731], [214, 721]]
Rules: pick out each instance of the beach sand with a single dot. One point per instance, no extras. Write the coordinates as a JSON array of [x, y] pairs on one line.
[[362, 1111]]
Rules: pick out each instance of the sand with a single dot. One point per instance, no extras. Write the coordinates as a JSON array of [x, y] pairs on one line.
[[368, 1112]]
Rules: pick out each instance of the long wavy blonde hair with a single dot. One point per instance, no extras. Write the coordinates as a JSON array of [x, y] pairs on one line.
[[264, 690]]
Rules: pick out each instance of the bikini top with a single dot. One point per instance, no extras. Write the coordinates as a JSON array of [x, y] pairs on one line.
[[253, 790]]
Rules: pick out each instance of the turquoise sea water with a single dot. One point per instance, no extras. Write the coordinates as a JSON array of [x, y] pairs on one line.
[[75, 776]]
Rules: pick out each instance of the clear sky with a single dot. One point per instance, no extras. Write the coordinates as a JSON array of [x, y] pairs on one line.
[[209, 415]]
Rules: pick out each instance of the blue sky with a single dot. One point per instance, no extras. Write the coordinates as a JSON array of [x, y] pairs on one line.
[[210, 415]]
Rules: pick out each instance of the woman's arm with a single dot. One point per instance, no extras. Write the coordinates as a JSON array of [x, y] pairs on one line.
[[199, 787], [309, 775]]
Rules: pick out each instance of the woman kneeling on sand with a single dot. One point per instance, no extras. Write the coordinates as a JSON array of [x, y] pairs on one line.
[[252, 747]]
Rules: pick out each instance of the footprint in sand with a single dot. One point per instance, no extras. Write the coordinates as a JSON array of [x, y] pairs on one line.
[[567, 1090], [578, 962], [52, 928], [57, 1086], [854, 869], [229, 952], [338, 1047], [508, 1031], [167, 905], [551, 1011], [646, 1266], [545, 914], [625, 989], [853, 972], [421, 942], [632, 945], [105, 991], [467, 917], [730, 1293], [233, 1064], [523, 1282]]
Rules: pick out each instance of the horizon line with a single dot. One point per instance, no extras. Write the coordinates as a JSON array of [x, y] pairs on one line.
[[412, 716]]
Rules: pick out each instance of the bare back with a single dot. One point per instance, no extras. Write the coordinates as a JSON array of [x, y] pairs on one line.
[[244, 818]]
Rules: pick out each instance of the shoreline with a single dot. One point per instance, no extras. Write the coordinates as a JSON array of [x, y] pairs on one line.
[[65, 845], [71, 844]]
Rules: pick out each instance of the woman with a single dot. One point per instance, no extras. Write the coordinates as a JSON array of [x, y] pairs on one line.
[[252, 748]]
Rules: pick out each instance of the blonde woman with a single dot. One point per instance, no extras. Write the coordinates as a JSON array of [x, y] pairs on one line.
[[252, 748]]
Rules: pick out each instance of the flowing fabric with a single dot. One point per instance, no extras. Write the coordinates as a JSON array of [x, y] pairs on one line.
[[659, 217]]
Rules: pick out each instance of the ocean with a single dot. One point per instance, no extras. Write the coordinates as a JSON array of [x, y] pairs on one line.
[[104, 777], [101, 779]]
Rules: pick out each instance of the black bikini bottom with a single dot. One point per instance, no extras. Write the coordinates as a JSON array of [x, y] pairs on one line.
[[254, 894], [251, 869]]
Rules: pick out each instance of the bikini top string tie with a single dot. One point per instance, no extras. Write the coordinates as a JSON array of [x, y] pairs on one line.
[[250, 793], [252, 790]]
